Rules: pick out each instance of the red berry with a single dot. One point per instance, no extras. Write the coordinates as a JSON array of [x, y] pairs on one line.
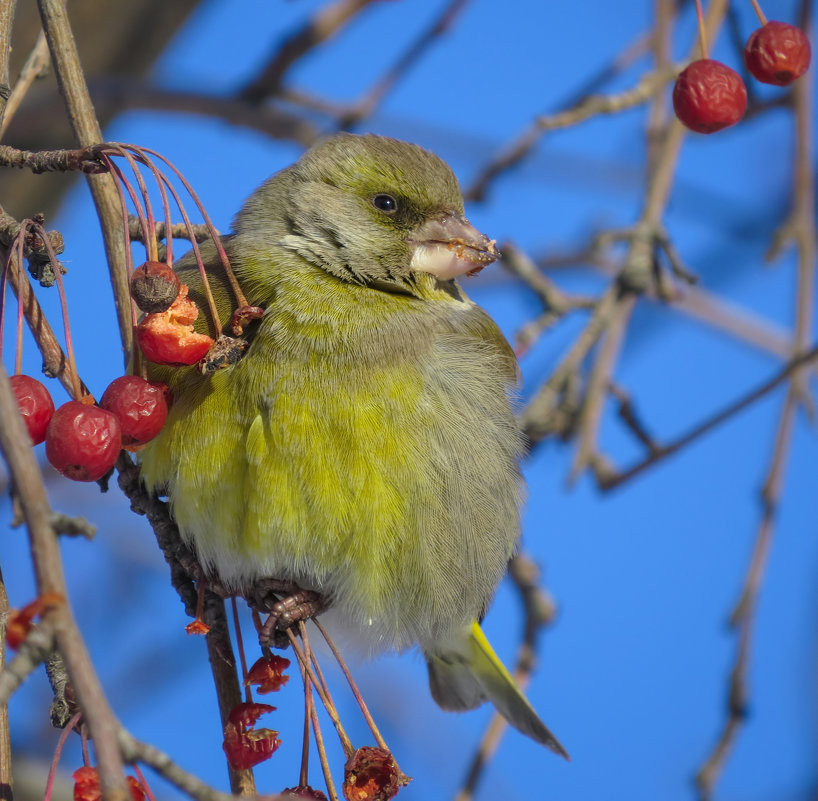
[[82, 442], [168, 337], [139, 406], [35, 405], [709, 96], [778, 53], [154, 286]]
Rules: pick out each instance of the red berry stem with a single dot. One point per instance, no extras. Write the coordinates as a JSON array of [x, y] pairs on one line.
[[759, 13], [215, 319], [241, 300], [55, 760], [76, 384], [20, 248], [702, 32], [149, 227]]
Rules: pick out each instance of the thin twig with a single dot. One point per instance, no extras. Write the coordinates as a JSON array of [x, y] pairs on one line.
[[14, 442], [539, 611], [36, 65], [365, 107], [593, 106], [802, 228], [326, 23], [711, 422], [74, 90]]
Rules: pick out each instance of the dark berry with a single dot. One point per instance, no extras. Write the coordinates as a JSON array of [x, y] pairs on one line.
[[154, 286], [35, 405], [139, 406], [778, 53], [709, 96], [82, 442]]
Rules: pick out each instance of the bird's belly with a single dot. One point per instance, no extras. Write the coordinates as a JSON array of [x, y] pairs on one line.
[[375, 488]]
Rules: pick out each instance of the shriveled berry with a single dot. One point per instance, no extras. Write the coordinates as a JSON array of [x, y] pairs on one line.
[[168, 337], [139, 406], [777, 53], [35, 404], [371, 774], [82, 442], [709, 96], [303, 791], [154, 286]]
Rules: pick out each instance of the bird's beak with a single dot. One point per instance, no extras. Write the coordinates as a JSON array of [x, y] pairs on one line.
[[449, 246]]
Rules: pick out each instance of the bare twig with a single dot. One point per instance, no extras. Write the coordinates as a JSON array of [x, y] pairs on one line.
[[74, 90], [14, 442], [592, 106], [36, 64], [7, 8], [366, 106], [714, 420], [539, 612], [802, 229], [326, 23]]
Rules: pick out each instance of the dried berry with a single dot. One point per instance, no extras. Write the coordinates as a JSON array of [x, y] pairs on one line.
[[154, 286], [268, 674], [139, 406], [302, 791], [35, 404], [168, 337], [82, 442], [777, 53], [20, 622], [87, 786], [245, 746], [371, 774], [709, 96]]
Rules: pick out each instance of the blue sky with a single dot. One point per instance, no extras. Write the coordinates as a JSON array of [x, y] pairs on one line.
[[633, 673]]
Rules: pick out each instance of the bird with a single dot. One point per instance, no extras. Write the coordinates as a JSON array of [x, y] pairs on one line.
[[365, 446]]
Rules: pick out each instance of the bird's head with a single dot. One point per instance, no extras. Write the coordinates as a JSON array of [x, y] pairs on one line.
[[370, 210]]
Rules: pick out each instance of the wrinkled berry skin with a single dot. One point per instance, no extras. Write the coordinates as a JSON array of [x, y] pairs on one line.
[[82, 442], [777, 53], [35, 404], [139, 406], [709, 96], [154, 286]]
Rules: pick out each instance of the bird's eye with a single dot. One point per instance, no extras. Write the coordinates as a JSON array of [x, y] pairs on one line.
[[385, 203]]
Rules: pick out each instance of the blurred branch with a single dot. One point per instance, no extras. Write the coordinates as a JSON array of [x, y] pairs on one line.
[[366, 106], [592, 106], [36, 64], [74, 90], [328, 21], [801, 227], [6, 781], [7, 8], [539, 612], [14, 442]]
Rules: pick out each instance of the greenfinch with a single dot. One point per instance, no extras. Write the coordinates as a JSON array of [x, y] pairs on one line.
[[365, 446]]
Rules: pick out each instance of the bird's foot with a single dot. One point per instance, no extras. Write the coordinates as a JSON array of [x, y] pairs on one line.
[[287, 604]]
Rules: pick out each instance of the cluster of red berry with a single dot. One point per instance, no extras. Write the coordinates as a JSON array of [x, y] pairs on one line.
[[82, 439], [709, 95]]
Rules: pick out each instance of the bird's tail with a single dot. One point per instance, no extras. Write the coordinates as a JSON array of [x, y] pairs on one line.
[[464, 674]]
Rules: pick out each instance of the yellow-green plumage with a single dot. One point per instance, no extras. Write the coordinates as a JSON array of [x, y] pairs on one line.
[[364, 447]]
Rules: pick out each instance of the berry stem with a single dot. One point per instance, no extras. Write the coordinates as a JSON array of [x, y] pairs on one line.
[[309, 703], [52, 771], [759, 13], [20, 247], [702, 33], [149, 227], [76, 385], [143, 781], [370, 721], [3, 283], [241, 300]]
